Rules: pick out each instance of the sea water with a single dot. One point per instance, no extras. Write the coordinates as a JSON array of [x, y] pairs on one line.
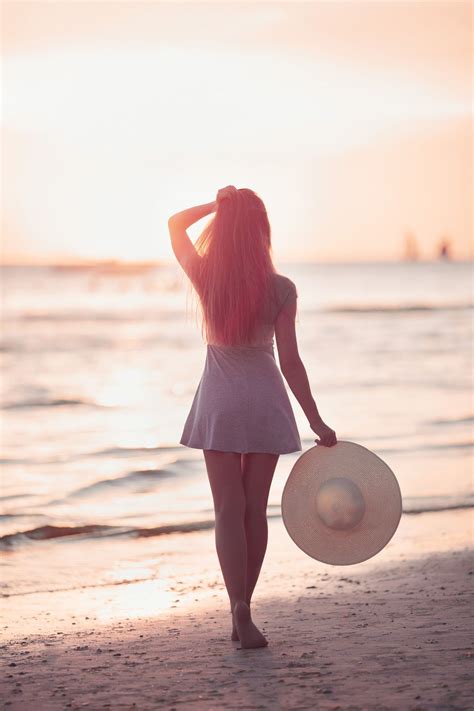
[[100, 366]]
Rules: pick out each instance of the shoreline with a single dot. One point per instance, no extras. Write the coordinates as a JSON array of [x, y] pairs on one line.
[[114, 578], [390, 633], [396, 638]]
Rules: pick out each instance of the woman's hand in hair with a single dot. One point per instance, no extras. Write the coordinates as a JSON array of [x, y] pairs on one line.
[[225, 193]]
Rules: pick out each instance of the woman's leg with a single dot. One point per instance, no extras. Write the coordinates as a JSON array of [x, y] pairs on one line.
[[225, 478], [257, 473]]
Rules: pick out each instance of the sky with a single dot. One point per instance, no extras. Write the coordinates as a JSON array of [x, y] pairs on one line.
[[351, 120]]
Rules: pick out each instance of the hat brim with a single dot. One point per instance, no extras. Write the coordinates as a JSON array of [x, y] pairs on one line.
[[379, 487]]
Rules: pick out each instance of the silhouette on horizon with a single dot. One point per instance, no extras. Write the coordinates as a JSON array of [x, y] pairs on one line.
[[411, 248], [444, 249]]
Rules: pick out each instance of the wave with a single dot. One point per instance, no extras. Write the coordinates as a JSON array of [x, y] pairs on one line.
[[45, 533], [49, 402], [153, 317], [17, 460], [453, 421], [395, 308], [134, 450], [141, 479], [110, 451], [11, 497], [427, 447], [411, 505], [430, 504]]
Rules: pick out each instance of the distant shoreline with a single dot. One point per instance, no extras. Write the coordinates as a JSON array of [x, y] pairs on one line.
[[147, 264]]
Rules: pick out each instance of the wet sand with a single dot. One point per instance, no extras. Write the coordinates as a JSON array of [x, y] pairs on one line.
[[394, 632]]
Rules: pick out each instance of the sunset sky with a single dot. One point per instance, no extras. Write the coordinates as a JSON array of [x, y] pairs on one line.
[[352, 121]]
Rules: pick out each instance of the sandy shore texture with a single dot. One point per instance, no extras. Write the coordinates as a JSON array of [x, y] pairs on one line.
[[392, 633]]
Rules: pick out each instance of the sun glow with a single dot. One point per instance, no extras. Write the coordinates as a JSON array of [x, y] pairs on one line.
[[103, 142], [123, 387]]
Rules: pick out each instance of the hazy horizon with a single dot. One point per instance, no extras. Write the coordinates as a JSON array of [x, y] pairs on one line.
[[126, 263]]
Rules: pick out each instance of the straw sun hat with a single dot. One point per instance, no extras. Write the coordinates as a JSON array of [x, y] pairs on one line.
[[342, 504]]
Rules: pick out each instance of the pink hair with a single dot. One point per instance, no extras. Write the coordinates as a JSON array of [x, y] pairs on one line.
[[236, 270]]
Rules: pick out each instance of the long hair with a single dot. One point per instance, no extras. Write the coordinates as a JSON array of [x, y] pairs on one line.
[[235, 274]]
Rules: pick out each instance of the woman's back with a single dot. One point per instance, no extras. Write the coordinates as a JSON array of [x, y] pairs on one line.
[[281, 293]]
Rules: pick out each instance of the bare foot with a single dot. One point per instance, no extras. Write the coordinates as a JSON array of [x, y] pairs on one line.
[[249, 635], [235, 635]]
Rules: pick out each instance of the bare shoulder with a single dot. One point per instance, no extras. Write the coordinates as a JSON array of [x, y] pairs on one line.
[[286, 289], [282, 279]]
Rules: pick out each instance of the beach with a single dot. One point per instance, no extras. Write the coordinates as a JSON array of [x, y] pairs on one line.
[[393, 632]]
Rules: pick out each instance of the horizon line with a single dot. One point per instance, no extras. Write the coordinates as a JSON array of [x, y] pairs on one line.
[[168, 262]]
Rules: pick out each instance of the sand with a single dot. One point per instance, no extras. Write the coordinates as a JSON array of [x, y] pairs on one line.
[[394, 632]]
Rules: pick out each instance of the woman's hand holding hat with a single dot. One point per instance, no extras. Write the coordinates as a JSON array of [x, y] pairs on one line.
[[327, 436]]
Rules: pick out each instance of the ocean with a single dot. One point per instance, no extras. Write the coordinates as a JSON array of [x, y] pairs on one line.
[[100, 366]]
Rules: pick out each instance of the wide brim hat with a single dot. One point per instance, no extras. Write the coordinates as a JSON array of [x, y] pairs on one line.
[[342, 504]]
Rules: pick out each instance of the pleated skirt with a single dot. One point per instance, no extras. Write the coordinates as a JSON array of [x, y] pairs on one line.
[[241, 404]]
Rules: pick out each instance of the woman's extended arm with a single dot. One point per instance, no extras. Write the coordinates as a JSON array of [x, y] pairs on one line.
[[183, 248], [295, 374], [192, 214], [188, 217]]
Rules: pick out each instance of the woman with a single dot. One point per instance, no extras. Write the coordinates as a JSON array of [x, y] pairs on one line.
[[241, 416]]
